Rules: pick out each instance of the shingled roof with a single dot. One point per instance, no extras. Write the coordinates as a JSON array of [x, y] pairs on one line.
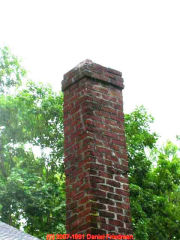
[[10, 233]]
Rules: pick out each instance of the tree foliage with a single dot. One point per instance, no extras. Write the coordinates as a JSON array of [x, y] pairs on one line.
[[32, 191], [154, 180], [11, 72], [31, 156]]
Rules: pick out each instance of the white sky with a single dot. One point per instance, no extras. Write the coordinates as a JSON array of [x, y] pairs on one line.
[[140, 38]]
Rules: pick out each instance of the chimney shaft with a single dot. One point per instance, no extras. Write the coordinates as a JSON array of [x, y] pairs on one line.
[[96, 163]]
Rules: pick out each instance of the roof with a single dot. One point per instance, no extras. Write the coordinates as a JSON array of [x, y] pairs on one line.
[[8, 232]]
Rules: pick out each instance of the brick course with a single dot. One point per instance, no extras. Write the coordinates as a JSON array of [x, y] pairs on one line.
[[96, 163]]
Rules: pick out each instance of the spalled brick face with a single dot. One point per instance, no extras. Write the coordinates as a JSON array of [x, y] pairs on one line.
[[96, 163]]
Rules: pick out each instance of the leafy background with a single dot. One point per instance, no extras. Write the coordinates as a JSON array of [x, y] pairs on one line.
[[32, 181]]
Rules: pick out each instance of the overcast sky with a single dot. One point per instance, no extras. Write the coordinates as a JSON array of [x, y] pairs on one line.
[[140, 38]]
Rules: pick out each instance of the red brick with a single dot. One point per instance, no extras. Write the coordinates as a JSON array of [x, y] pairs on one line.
[[122, 205], [115, 209], [116, 223], [120, 179], [78, 196], [83, 200], [80, 209], [122, 192], [106, 214], [114, 196], [113, 183], [84, 213], [107, 227], [126, 187], [106, 188], [95, 151], [104, 174], [97, 179]]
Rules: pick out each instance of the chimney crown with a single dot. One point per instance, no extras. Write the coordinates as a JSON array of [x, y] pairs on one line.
[[92, 70]]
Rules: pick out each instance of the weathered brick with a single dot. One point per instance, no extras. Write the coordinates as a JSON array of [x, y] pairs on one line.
[[106, 214], [126, 187], [96, 205], [106, 200], [120, 179], [122, 192], [114, 196], [107, 227], [78, 196], [97, 192], [97, 179], [115, 209], [113, 183], [116, 223], [106, 188], [96, 165], [80, 209], [84, 213], [122, 205]]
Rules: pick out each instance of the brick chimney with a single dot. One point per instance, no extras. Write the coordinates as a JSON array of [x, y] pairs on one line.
[[96, 163]]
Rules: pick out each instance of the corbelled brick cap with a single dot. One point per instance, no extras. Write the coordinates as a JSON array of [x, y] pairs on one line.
[[90, 69]]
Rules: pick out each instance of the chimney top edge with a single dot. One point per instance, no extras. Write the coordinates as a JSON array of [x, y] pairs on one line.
[[88, 68]]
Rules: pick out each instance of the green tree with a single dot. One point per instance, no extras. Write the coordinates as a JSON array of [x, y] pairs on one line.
[[165, 176], [31, 157], [154, 180], [11, 72], [139, 138]]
